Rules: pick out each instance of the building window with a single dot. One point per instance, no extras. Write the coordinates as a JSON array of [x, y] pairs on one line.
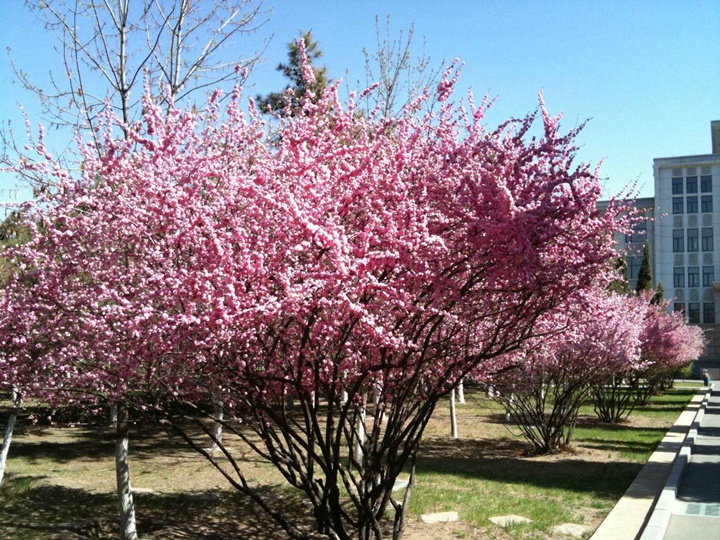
[[639, 233], [694, 276], [679, 307], [708, 276], [678, 241], [709, 312], [707, 239], [694, 312], [678, 206], [693, 243], [692, 205], [677, 186], [705, 184], [692, 184], [678, 277], [706, 203]]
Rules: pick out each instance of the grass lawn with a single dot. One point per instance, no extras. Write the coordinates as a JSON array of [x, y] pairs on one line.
[[60, 480]]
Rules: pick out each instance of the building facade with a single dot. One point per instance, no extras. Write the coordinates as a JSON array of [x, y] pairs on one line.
[[683, 233], [685, 241]]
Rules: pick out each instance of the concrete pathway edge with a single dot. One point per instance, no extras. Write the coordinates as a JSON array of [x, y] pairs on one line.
[[660, 476], [660, 517]]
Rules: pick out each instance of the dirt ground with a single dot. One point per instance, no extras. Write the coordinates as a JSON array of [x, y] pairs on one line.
[[178, 495]]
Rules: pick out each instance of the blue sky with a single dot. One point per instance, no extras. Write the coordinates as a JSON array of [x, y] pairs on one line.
[[646, 74]]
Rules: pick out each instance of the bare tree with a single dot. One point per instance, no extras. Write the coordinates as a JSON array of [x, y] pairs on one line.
[[110, 48], [401, 74]]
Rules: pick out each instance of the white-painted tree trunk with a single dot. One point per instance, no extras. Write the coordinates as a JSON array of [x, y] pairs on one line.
[[508, 415], [360, 433], [5, 448], [453, 416], [128, 530], [219, 413], [461, 392], [379, 413]]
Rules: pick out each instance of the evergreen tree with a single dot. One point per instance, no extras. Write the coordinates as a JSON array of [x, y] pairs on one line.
[[277, 101], [659, 295], [645, 280], [620, 284]]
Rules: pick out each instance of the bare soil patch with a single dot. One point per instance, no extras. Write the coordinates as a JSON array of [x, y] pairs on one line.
[[61, 481]]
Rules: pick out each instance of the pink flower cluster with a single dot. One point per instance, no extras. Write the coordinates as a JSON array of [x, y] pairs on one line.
[[207, 256]]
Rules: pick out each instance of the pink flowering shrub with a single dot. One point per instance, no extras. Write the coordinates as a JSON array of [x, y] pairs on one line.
[[667, 344], [544, 383], [204, 260]]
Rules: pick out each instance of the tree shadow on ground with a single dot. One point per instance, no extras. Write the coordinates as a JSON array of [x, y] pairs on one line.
[[32, 511], [507, 463], [64, 444], [629, 447]]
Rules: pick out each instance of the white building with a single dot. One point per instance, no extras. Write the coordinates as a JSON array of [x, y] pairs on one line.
[[685, 244]]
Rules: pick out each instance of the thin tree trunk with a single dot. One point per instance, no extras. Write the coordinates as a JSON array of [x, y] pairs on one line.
[[219, 413], [360, 429], [508, 409], [5, 448], [453, 416], [128, 529], [379, 414]]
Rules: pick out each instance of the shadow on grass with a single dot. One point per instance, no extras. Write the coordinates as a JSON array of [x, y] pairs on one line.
[[469, 458], [659, 408], [85, 444], [627, 447], [66, 444], [33, 512]]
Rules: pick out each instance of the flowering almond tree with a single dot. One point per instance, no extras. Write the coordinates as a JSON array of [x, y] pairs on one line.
[[544, 384], [667, 343], [202, 260]]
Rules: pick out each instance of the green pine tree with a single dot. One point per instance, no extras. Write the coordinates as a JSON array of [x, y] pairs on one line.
[[620, 284], [276, 102], [659, 295], [645, 280]]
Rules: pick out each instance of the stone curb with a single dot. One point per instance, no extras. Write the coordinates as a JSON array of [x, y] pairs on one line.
[[660, 517], [629, 517]]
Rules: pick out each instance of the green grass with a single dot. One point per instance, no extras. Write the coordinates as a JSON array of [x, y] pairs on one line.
[[576, 487], [637, 443], [60, 481]]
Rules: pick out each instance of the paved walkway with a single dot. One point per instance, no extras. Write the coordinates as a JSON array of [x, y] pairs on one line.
[[696, 513], [676, 495]]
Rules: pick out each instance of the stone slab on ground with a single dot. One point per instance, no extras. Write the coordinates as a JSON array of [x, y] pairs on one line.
[[440, 517], [506, 521], [139, 491], [400, 484], [570, 529]]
